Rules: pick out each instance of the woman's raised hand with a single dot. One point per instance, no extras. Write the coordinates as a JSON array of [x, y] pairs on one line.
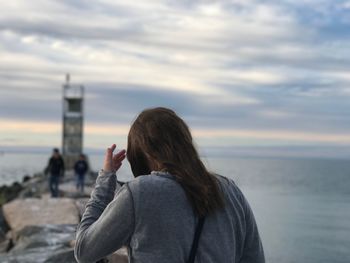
[[113, 161]]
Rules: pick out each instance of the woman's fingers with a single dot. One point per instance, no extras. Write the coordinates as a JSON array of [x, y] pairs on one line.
[[113, 147], [120, 153], [113, 161], [119, 156], [117, 159], [109, 151], [108, 158]]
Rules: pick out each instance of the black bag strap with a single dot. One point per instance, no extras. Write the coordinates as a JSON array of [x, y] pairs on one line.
[[199, 226], [196, 239]]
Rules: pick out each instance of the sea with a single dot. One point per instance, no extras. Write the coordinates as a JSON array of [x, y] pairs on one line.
[[302, 206]]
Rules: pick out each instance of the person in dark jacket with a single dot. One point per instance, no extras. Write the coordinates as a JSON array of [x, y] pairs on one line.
[[55, 168], [81, 168]]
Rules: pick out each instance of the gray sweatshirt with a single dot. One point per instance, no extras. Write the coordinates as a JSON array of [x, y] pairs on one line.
[[152, 216]]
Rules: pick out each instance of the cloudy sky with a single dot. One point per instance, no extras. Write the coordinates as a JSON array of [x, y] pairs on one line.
[[242, 73]]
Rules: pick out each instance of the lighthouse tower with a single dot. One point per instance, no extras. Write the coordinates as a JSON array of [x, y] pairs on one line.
[[73, 116]]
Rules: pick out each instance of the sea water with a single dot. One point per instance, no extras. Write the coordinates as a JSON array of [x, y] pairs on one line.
[[302, 206]]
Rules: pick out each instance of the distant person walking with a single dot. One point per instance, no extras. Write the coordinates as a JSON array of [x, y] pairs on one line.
[[81, 167], [55, 168]]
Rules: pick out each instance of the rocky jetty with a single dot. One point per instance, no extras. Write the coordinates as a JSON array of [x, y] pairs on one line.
[[42, 243], [24, 212], [36, 228], [8, 193]]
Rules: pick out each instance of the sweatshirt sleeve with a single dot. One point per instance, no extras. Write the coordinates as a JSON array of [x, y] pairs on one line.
[[108, 221], [253, 250]]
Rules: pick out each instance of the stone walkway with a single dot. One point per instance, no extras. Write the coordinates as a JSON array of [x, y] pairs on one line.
[[42, 229]]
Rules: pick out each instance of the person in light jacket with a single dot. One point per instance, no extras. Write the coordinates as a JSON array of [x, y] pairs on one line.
[[174, 210]]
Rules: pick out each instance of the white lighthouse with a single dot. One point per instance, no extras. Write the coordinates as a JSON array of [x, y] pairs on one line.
[[73, 116]]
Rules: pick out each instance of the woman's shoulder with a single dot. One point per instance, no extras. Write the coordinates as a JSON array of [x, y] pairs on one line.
[[148, 190], [223, 180], [153, 182], [229, 186]]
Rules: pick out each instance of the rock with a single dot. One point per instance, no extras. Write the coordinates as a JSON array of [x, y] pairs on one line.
[[68, 189], [43, 228], [4, 227], [5, 242], [53, 254], [46, 243], [35, 187], [26, 178], [28, 212], [44, 235], [8, 193], [6, 245]]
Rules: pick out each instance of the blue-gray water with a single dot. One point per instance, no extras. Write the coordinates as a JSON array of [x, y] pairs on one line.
[[302, 207]]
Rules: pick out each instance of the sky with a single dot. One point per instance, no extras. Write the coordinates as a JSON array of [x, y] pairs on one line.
[[243, 74]]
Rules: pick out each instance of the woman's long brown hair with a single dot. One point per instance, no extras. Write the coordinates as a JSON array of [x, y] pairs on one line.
[[160, 140]]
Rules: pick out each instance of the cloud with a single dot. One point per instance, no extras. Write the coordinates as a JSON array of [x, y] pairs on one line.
[[236, 65]]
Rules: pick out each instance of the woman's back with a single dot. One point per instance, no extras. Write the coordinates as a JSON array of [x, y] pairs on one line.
[[156, 215], [165, 224], [152, 216]]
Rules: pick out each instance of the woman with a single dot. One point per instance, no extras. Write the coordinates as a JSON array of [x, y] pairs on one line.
[[174, 210]]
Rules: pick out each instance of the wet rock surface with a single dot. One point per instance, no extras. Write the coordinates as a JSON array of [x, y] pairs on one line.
[[40, 255], [45, 243], [4, 227], [34, 187], [33, 211], [44, 235], [35, 228], [8, 193]]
